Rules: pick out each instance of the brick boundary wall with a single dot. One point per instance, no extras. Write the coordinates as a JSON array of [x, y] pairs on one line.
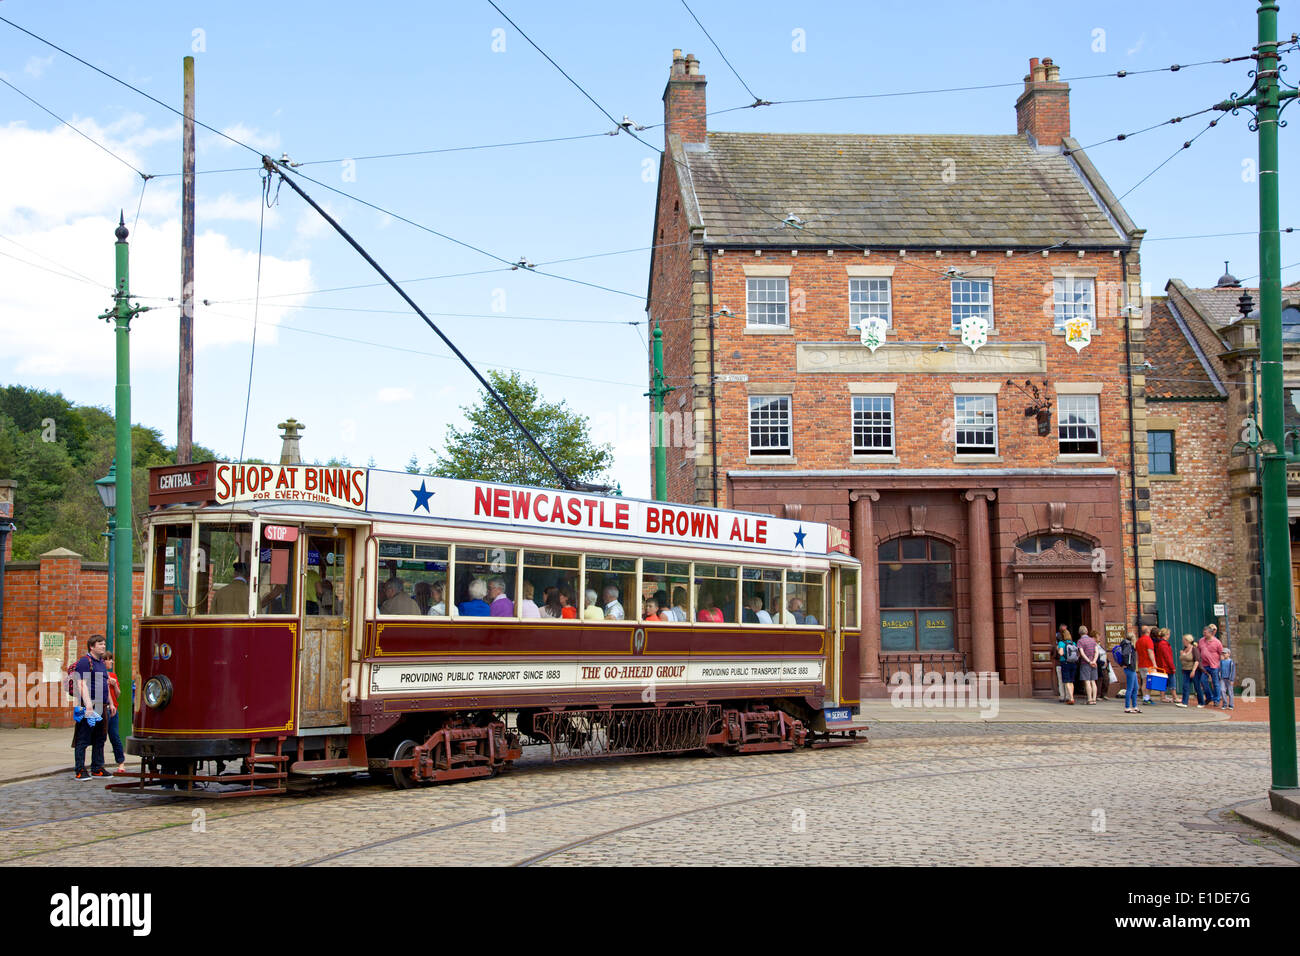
[[58, 593]]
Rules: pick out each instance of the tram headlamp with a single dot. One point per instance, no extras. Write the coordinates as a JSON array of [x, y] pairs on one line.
[[157, 692]]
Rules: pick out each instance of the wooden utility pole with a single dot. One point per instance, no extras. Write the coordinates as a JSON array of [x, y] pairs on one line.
[[185, 389]]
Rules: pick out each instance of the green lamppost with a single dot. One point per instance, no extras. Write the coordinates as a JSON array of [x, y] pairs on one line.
[[120, 315], [107, 488]]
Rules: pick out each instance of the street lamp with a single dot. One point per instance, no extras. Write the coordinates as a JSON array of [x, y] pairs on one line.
[[107, 488]]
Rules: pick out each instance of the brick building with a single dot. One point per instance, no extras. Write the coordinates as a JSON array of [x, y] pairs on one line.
[[1202, 396], [51, 607], [985, 513]]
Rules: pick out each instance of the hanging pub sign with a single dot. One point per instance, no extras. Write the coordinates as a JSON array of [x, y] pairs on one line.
[[1078, 333], [974, 332], [873, 331]]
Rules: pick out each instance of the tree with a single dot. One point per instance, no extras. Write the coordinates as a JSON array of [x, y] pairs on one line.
[[492, 448]]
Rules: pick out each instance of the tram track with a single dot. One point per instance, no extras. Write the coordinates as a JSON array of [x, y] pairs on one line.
[[627, 792]]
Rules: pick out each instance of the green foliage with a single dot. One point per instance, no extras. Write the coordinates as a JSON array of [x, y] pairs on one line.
[[493, 449], [56, 465]]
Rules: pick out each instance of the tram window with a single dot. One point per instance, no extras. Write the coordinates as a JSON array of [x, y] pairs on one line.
[[325, 580], [171, 569], [805, 597], [485, 581], [760, 591], [413, 579], [849, 596], [551, 582], [611, 593], [223, 568], [668, 583], [716, 593], [276, 574]]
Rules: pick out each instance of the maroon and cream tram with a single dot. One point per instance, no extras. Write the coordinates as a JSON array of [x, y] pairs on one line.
[[306, 620]]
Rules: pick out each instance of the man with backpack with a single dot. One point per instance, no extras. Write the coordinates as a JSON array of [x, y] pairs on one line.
[[1126, 656], [88, 684]]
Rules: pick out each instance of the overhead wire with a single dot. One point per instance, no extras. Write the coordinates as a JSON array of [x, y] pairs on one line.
[[758, 101], [1186, 145], [257, 291]]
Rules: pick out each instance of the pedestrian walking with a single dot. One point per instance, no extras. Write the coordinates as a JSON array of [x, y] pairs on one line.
[[1089, 661], [1227, 678], [1190, 663], [1211, 654], [110, 723], [1165, 661], [91, 684], [1067, 652], [1146, 660], [1128, 660]]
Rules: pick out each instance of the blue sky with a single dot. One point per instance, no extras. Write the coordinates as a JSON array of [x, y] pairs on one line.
[[334, 81]]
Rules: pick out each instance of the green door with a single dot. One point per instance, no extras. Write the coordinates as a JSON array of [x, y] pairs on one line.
[[1185, 598]]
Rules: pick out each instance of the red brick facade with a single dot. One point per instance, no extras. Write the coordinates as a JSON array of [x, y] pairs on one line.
[[57, 594], [981, 507]]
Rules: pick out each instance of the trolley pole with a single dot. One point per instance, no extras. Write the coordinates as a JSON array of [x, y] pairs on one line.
[[1266, 102], [121, 314], [657, 392]]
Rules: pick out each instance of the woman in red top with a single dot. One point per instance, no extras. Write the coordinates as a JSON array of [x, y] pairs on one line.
[[707, 611], [114, 737], [1165, 661]]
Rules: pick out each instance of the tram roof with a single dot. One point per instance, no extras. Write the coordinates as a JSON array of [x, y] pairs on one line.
[[332, 493]]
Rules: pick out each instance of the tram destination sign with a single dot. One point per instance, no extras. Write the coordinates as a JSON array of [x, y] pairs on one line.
[[544, 509]]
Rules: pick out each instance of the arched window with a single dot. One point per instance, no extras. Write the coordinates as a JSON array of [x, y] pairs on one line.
[[916, 595], [1045, 542]]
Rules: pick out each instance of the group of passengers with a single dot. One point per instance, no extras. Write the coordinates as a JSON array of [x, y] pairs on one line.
[[489, 597]]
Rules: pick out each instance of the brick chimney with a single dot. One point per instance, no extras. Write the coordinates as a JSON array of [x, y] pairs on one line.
[[1043, 109], [684, 100]]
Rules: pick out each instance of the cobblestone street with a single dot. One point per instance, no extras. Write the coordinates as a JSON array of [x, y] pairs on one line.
[[916, 795]]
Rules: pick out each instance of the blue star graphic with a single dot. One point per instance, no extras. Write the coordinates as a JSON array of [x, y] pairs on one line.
[[799, 536], [421, 497]]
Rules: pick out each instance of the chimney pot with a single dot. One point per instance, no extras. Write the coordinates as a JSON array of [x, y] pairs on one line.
[[1043, 109]]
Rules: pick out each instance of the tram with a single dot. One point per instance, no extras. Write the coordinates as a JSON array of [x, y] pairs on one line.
[[304, 621]]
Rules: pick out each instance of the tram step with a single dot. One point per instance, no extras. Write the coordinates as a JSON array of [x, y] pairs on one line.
[[318, 768]]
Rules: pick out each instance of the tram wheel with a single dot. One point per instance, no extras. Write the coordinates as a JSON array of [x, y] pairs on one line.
[[401, 775]]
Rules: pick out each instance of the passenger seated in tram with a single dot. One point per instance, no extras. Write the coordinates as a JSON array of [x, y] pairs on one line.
[[437, 606], [397, 601], [708, 612], [233, 598], [559, 604], [650, 609], [754, 612], [679, 604], [613, 609], [423, 596], [592, 611], [499, 605], [666, 612], [796, 613], [475, 606], [526, 606]]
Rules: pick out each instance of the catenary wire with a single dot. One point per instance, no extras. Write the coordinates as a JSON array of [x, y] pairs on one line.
[[758, 101]]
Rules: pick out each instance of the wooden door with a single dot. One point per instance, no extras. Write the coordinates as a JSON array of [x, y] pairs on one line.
[[1042, 647], [326, 630]]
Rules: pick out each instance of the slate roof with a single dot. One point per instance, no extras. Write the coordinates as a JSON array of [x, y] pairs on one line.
[[891, 191], [1179, 371]]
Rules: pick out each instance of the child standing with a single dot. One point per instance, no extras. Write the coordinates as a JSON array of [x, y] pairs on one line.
[[1227, 677], [113, 736]]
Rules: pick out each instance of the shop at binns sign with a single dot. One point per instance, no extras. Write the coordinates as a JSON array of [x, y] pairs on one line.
[[318, 484]]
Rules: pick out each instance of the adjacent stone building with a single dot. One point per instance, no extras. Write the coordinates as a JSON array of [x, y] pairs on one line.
[[1203, 392], [992, 493]]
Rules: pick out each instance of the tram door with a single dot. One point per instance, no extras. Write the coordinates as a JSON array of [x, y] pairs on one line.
[[326, 631]]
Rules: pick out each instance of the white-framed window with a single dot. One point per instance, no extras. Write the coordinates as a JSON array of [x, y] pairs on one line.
[[769, 425], [971, 297], [869, 298], [1073, 298], [873, 424], [1079, 424], [767, 302], [976, 419]]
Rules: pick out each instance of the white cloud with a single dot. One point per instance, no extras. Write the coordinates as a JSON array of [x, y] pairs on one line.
[[66, 210], [1137, 47], [395, 394], [37, 65], [266, 142], [228, 206]]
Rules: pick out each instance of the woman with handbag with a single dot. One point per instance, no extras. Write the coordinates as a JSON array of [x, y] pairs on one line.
[[1189, 661]]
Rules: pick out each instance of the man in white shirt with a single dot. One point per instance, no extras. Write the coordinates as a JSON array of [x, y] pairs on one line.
[[613, 609]]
